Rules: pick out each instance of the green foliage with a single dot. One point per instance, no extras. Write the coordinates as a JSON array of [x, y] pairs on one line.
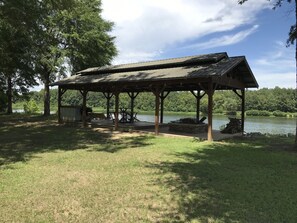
[[281, 99], [38, 39], [231, 113], [257, 113], [278, 100], [89, 43], [279, 114], [16, 67], [31, 107]]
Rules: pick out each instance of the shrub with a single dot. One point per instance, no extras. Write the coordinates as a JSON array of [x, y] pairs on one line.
[[291, 115], [218, 111], [264, 113], [257, 113], [31, 107], [279, 114], [233, 113], [252, 113]]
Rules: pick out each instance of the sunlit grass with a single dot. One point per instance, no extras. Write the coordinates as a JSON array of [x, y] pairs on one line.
[[52, 173]]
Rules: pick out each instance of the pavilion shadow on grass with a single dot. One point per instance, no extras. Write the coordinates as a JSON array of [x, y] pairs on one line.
[[201, 73]]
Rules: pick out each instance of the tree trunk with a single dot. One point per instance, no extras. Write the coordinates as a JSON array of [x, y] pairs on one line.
[[47, 110], [9, 95]]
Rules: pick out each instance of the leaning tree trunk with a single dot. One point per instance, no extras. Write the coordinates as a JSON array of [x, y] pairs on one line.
[[9, 95], [46, 98]]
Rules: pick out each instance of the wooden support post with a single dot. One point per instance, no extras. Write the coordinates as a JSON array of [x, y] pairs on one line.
[[61, 91], [162, 97], [108, 96], [210, 92], [132, 106], [198, 105], [242, 97], [132, 96], [84, 112], [198, 97], [59, 104], [107, 107], [116, 121], [162, 106], [242, 109], [157, 108]]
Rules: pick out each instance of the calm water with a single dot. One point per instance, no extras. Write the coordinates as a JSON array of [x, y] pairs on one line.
[[271, 125]]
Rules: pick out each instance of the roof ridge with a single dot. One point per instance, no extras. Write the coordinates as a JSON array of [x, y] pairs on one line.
[[172, 58], [178, 61]]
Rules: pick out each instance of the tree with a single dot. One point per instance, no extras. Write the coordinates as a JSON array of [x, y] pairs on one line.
[[73, 33], [86, 37], [38, 38], [290, 41], [48, 49], [16, 68]]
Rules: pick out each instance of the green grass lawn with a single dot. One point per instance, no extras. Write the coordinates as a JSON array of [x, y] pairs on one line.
[[52, 173]]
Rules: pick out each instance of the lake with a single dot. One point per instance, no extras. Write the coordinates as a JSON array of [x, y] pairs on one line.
[[273, 125]]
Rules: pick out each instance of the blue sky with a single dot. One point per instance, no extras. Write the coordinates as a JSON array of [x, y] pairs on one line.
[[160, 29]]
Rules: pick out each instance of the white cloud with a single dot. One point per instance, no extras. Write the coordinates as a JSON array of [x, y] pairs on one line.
[[143, 28], [279, 58], [225, 40], [270, 79], [276, 67]]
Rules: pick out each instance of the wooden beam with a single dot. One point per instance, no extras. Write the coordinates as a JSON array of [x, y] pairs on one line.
[[242, 97], [198, 98], [198, 106], [59, 104], [61, 91], [132, 96], [239, 95], [229, 82], [107, 107], [163, 97], [157, 107], [84, 113], [108, 96], [210, 92], [156, 92], [242, 109], [116, 121]]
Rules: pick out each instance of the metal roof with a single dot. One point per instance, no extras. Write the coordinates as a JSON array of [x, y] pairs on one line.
[[177, 74], [158, 64]]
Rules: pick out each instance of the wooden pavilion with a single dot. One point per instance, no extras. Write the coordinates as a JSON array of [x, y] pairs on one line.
[[201, 73]]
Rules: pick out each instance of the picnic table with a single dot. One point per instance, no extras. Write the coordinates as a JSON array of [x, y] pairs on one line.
[[126, 116]]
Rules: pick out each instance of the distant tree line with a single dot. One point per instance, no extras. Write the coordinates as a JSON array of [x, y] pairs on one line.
[[277, 100]]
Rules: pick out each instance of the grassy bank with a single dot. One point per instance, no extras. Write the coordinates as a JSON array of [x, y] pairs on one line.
[[52, 173]]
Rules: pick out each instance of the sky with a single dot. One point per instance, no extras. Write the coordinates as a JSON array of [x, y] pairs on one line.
[[148, 30]]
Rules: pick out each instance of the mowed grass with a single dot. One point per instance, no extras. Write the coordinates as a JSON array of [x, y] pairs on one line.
[[52, 173]]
